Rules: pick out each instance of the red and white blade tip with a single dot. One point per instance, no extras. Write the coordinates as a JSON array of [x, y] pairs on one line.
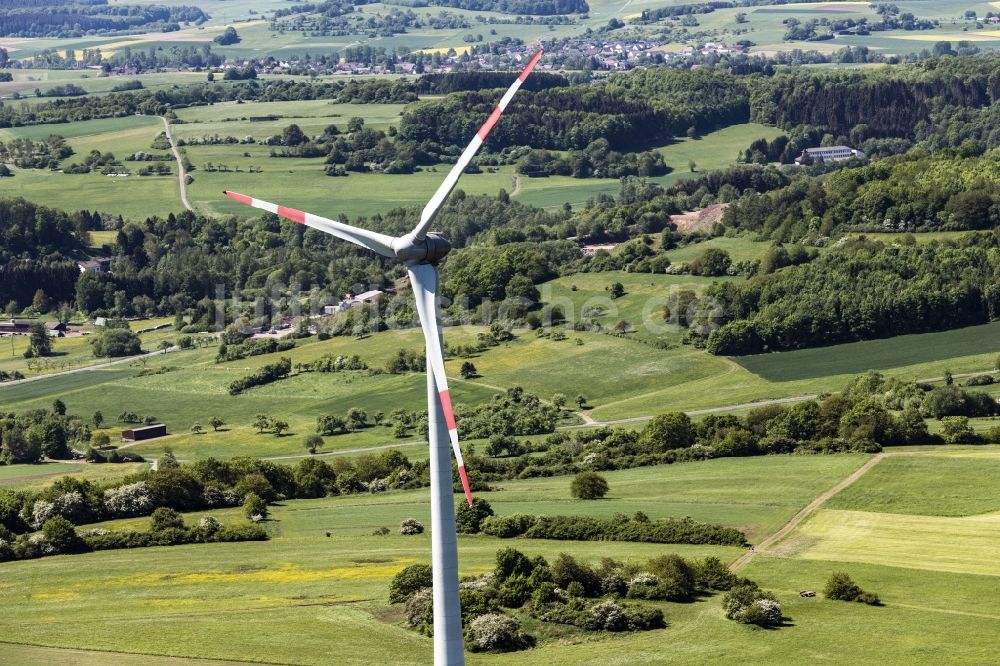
[[465, 484], [449, 419], [487, 127], [281, 211]]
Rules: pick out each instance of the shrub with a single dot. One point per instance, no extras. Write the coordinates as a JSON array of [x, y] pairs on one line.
[[642, 618], [494, 632], [511, 562], [420, 608], [506, 527], [566, 570], [412, 578], [256, 484], [514, 592], [129, 500], [254, 507], [609, 616], [588, 485], [164, 519], [748, 604], [411, 526], [712, 574], [469, 519], [841, 587], [209, 525], [60, 535]]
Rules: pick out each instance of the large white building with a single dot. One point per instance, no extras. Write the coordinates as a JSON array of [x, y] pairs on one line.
[[828, 154]]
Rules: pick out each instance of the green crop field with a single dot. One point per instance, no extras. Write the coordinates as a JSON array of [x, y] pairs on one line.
[[968, 544], [859, 357]]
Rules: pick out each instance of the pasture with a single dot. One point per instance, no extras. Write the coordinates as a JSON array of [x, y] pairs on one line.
[[236, 601], [948, 483], [620, 377], [337, 586]]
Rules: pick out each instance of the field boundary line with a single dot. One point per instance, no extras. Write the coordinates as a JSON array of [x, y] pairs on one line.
[[804, 513]]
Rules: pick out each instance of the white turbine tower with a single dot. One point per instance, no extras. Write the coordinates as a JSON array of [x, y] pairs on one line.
[[421, 251]]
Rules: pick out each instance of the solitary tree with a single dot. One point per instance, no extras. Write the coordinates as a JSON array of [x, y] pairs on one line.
[[197, 429], [216, 423], [59, 407], [41, 302], [559, 400], [165, 345], [468, 370], [279, 427], [313, 443], [39, 342], [617, 290], [356, 418], [98, 419], [262, 423], [588, 485], [581, 401]]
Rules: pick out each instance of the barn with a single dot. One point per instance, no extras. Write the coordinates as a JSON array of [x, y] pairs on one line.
[[146, 432]]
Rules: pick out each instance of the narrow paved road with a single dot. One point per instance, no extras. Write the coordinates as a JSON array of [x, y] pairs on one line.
[[180, 165], [810, 508]]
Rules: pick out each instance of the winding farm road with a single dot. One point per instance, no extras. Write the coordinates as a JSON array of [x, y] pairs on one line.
[[181, 175]]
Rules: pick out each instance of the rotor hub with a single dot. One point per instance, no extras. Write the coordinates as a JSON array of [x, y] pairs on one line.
[[431, 250]]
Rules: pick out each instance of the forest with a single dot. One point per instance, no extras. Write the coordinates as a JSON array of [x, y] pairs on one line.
[[862, 290], [632, 112], [75, 18]]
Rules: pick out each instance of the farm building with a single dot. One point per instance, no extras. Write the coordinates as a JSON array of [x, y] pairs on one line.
[[146, 432], [94, 266], [13, 326], [828, 154]]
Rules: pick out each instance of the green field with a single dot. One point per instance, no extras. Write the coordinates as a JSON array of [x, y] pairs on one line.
[[620, 377], [183, 600], [301, 182], [948, 484], [857, 357]]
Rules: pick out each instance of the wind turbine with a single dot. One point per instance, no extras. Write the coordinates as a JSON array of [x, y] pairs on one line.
[[421, 251]]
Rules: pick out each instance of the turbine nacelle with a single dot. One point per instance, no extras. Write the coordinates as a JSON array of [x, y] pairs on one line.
[[431, 250]]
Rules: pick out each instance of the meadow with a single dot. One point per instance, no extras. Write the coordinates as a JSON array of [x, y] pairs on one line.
[[620, 377], [330, 592]]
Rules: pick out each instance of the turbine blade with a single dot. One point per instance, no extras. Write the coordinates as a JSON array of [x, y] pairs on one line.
[[424, 279], [374, 241], [431, 209]]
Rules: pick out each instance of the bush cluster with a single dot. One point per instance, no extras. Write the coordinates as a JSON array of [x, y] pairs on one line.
[[59, 536], [842, 587], [267, 374], [619, 527], [748, 604]]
